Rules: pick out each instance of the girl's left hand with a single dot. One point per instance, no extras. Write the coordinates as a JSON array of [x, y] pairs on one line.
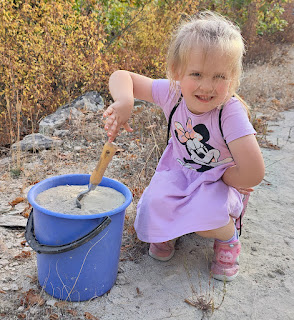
[[245, 191]]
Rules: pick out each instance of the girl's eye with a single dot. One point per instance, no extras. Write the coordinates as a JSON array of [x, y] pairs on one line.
[[220, 76], [195, 74]]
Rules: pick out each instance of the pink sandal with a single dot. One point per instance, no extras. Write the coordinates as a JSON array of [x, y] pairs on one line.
[[162, 251], [225, 264]]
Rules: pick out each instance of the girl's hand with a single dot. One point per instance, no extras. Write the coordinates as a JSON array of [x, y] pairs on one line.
[[117, 115], [245, 191]]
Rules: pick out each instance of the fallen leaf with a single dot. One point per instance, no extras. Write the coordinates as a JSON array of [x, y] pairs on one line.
[[53, 316], [23, 255], [72, 312], [26, 212], [16, 201], [32, 298], [89, 316], [60, 304]]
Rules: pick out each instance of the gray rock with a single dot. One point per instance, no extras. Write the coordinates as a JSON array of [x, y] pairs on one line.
[[56, 120], [60, 133], [12, 221], [90, 101], [51, 303], [4, 208], [36, 141]]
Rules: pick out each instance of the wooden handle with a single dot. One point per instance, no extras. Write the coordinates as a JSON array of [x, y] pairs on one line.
[[108, 151]]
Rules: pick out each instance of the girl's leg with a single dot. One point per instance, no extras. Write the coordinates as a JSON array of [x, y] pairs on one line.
[[224, 233], [227, 247]]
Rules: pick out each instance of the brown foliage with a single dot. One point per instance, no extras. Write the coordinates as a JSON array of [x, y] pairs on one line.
[[51, 52]]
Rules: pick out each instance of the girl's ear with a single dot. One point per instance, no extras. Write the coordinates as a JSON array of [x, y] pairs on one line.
[[175, 73]]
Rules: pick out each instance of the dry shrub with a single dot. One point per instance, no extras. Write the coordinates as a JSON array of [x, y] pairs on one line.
[[53, 51], [49, 55]]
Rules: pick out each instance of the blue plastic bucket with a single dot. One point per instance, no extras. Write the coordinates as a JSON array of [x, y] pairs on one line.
[[77, 255]]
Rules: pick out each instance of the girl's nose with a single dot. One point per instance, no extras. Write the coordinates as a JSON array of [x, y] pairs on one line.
[[206, 85]]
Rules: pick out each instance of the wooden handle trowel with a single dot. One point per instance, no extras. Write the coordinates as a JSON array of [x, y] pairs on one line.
[[108, 152]]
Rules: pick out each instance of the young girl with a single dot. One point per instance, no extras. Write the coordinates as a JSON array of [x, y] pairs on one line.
[[212, 159]]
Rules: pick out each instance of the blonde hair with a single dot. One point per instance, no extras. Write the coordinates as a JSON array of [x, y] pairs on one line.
[[210, 31]]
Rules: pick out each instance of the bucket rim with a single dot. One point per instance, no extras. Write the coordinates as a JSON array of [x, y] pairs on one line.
[[86, 177]]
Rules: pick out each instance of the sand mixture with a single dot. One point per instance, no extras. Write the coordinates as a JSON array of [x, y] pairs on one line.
[[62, 199]]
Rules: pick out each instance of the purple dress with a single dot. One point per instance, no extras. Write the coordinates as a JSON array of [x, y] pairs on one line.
[[186, 193]]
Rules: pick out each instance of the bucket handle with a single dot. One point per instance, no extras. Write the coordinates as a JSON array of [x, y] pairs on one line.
[[48, 249]]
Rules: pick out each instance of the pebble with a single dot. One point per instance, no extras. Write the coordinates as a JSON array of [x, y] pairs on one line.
[[9, 245], [51, 303], [77, 148], [12, 287], [3, 261], [8, 268]]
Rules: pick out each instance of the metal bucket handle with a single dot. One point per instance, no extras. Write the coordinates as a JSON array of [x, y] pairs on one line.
[[48, 249]]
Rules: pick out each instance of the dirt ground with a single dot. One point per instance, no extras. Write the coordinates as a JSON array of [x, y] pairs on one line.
[[181, 288]]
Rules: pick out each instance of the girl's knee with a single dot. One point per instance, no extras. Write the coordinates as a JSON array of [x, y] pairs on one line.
[[222, 233]]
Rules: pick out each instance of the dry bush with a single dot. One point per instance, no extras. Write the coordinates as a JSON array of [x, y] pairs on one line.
[[49, 55], [53, 51]]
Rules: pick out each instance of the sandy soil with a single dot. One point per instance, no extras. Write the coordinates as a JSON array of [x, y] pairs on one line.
[[181, 288]]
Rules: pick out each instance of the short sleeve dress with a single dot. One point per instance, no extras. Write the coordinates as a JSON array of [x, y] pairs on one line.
[[186, 193]]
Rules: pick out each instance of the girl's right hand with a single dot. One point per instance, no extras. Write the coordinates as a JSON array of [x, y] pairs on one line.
[[117, 116]]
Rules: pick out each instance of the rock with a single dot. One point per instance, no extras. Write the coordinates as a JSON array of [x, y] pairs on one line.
[[90, 101], [3, 262], [4, 208], [61, 133], [14, 287], [36, 141], [56, 120], [9, 245], [18, 209], [51, 303], [77, 148], [12, 221], [138, 103]]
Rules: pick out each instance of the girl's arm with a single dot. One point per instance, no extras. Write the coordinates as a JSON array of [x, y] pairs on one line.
[[248, 170], [124, 86]]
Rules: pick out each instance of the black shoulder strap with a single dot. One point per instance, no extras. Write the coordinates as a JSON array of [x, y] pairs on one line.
[[220, 124], [171, 115]]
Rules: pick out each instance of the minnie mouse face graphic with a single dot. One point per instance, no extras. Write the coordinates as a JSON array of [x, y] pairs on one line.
[[200, 152]]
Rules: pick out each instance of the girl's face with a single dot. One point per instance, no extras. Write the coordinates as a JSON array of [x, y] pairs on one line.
[[206, 81]]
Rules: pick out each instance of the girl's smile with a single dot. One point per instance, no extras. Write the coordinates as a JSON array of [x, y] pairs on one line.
[[206, 81], [204, 98]]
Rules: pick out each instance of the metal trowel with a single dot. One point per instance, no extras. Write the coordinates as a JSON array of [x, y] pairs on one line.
[[108, 152]]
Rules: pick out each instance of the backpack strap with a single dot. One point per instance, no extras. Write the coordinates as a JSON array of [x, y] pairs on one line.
[[220, 124], [171, 115]]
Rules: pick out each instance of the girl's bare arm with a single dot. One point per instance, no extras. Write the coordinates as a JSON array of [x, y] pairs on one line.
[[124, 86], [248, 170]]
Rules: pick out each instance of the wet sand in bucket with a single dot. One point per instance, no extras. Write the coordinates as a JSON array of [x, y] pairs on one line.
[[62, 199]]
